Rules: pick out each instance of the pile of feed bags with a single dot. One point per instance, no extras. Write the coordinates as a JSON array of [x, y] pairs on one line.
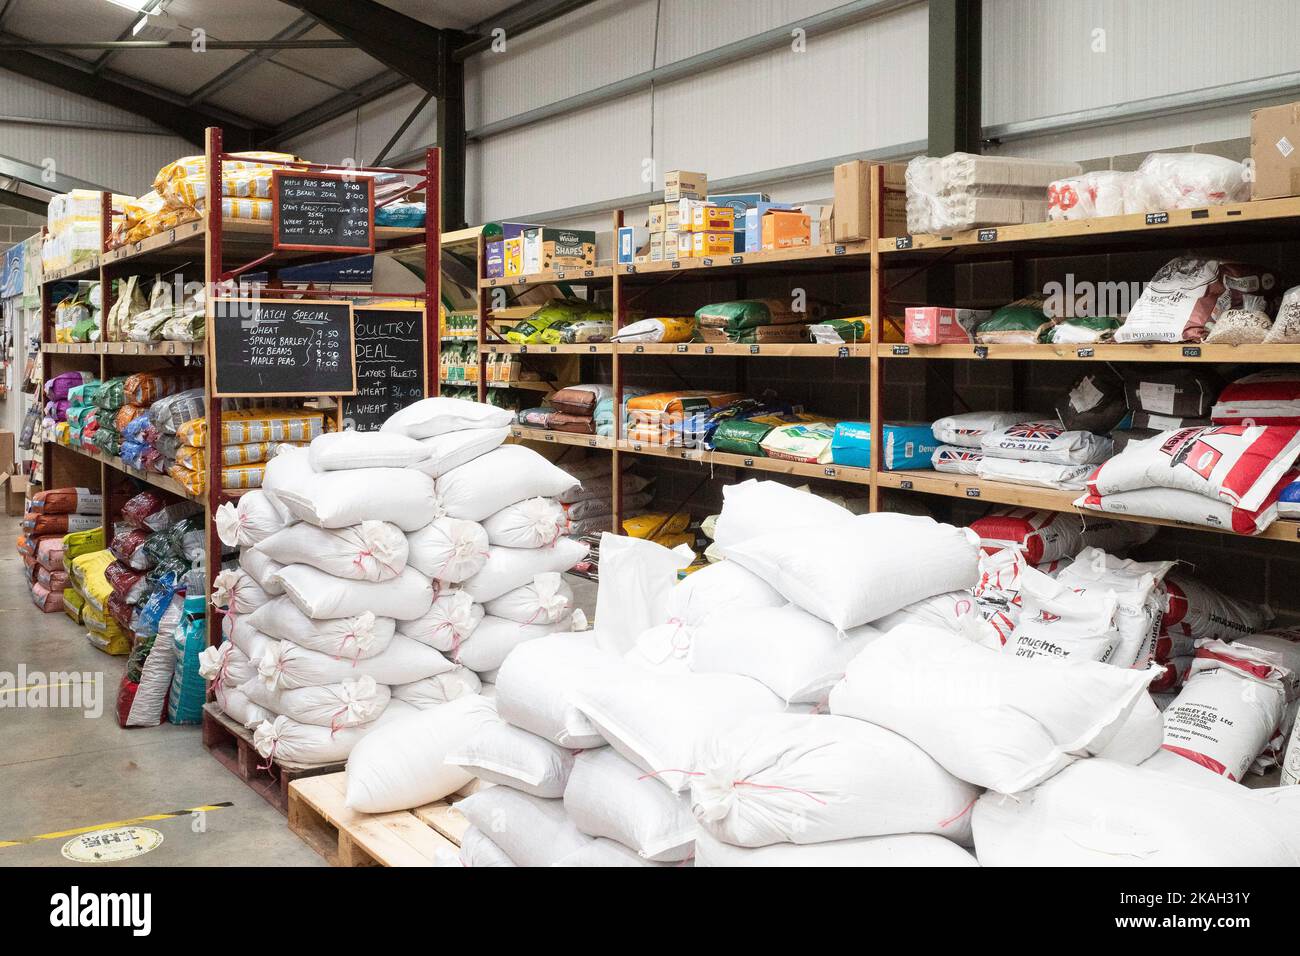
[[656, 419], [964, 191], [753, 321], [1019, 448], [74, 227], [1189, 294], [68, 406], [249, 439], [1164, 181], [589, 506], [570, 409], [76, 316], [51, 516], [663, 328], [603, 414], [563, 322], [347, 609], [133, 318], [908, 446]]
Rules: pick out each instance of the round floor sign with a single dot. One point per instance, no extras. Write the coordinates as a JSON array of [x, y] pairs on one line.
[[109, 846]]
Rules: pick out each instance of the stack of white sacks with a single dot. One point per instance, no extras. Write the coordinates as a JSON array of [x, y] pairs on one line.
[[383, 574], [693, 726]]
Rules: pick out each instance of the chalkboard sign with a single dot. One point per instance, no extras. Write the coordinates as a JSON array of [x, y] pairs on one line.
[[390, 364], [283, 347], [325, 212]]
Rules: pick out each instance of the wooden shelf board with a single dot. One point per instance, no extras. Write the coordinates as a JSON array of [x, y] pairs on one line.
[[759, 257], [586, 348], [560, 438], [546, 278], [165, 482], [144, 349], [768, 349], [1110, 352], [81, 270], [861, 476]]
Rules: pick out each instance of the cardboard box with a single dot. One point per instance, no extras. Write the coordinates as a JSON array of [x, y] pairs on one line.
[[685, 245], [680, 184], [631, 240], [495, 259], [709, 218], [786, 229], [936, 325], [1274, 150], [712, 244], [16, 489], [672, 242], [657, 221], [506, 230], [754, 223], [513, 250], [853, 197], [740, 202], [656, 247], [8, 452], [817, 214], [545, 249]]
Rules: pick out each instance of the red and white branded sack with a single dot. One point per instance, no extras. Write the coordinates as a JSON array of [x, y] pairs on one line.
[[997, 594], [1037, 474], [1237, 464], [1140, 599], [1270, 397], [1286, 642], [1196, 612], [1184, 506], [955, 460], [1185, 298], [969, 428], [1056, 621], [1230, 707], [1046, 441], [1039, 535]]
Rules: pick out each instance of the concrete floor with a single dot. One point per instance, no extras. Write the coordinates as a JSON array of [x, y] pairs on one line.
[[61, 770]]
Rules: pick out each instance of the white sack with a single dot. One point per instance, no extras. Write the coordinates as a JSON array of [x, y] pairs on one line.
[[531, 523], [602, 853], [261, 569], [636, 577], [320, 595], [244, 523], [509, 568], [499, 753], [237, 593], [545, 600], [438, 416], [609, 797], [403, 764], [968, 429], [492, 641], [477, 850], [658, 721], [864, 567], [287, 666], [1057, 622], [913, 849], [529, 830], [251, 642], [345, 704], [804, 778], [536, 683], [336, 499], [369, 551], [795, 655], [754, 508], [447, 624], [439, 689], [362, 635], [1101, 813], [241, 710], [1036, 474], [1139, 737], [287, 741], [456, 448], [1139, 601], [344, 451], [1046, 441], [502, 477], [987, 717], [448, 549]]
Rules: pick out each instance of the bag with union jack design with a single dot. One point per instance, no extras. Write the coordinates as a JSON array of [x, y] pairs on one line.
[[1047, 441]]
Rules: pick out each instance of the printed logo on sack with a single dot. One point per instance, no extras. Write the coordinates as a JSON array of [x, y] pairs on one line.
[[76, 909], [1038, 430], [1202, 458], [1047, 617]]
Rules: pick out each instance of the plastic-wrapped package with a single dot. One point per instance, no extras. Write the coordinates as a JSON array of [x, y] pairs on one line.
[[1241, 327], [1098, 193], [1286, 326], [963, 191], [1185, 181]]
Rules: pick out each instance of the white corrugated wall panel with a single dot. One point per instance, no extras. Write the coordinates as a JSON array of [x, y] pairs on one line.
[[359, 135], [1042, 58], [691, 27]]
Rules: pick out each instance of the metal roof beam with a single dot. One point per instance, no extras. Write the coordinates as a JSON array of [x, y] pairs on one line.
[[516, 20], [365, 92], [223, 79]]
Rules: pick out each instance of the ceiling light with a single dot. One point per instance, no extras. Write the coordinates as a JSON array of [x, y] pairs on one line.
[[140, 25], [133, 5]]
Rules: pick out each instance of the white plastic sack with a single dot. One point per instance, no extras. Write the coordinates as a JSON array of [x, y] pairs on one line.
[[510, 568], [447, 624], [1046, 441], [536, 683], [1139, 599], [320, 595], [1187, 295], [344, 451], [636, 577], [250, 642], [236, 592], [911, 850], [456, 448], [369, 551], [244, 523], [438, 416], [286, 741], [658, 721], [439, 689], [755, 508], [955, 460], [1186, 507], [1199, 612], [1036, 474], [499, 753], [239, 708], [289, 467], [990, 718], [225, 665], [531, 523], [261, 569], [492, 641], [529, 830], [1139, 737], [804, 778], [336, 499], [403, 763], [362, 635], [449, 549], [285, 666], [603, 853], [477, 850], [502, 477], [348, 703], [545, 600], [864, 567], [797, 656], [968, 429], [1060, 623], [1102, 813], [609, 797]]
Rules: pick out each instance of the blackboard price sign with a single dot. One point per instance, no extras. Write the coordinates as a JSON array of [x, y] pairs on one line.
[[283, 347], [390, 364], [324, 212]]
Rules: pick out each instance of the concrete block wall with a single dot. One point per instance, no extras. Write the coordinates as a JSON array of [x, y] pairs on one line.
[[17, 225]]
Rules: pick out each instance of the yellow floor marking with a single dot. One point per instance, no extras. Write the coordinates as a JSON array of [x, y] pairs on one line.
[[72, 683], [63, 834]]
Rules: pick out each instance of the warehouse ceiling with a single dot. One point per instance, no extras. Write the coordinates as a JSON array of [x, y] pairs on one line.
[[270, 92]]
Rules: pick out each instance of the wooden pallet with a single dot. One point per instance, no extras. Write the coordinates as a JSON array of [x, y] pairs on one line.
[[426, 836], [232, 745]]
